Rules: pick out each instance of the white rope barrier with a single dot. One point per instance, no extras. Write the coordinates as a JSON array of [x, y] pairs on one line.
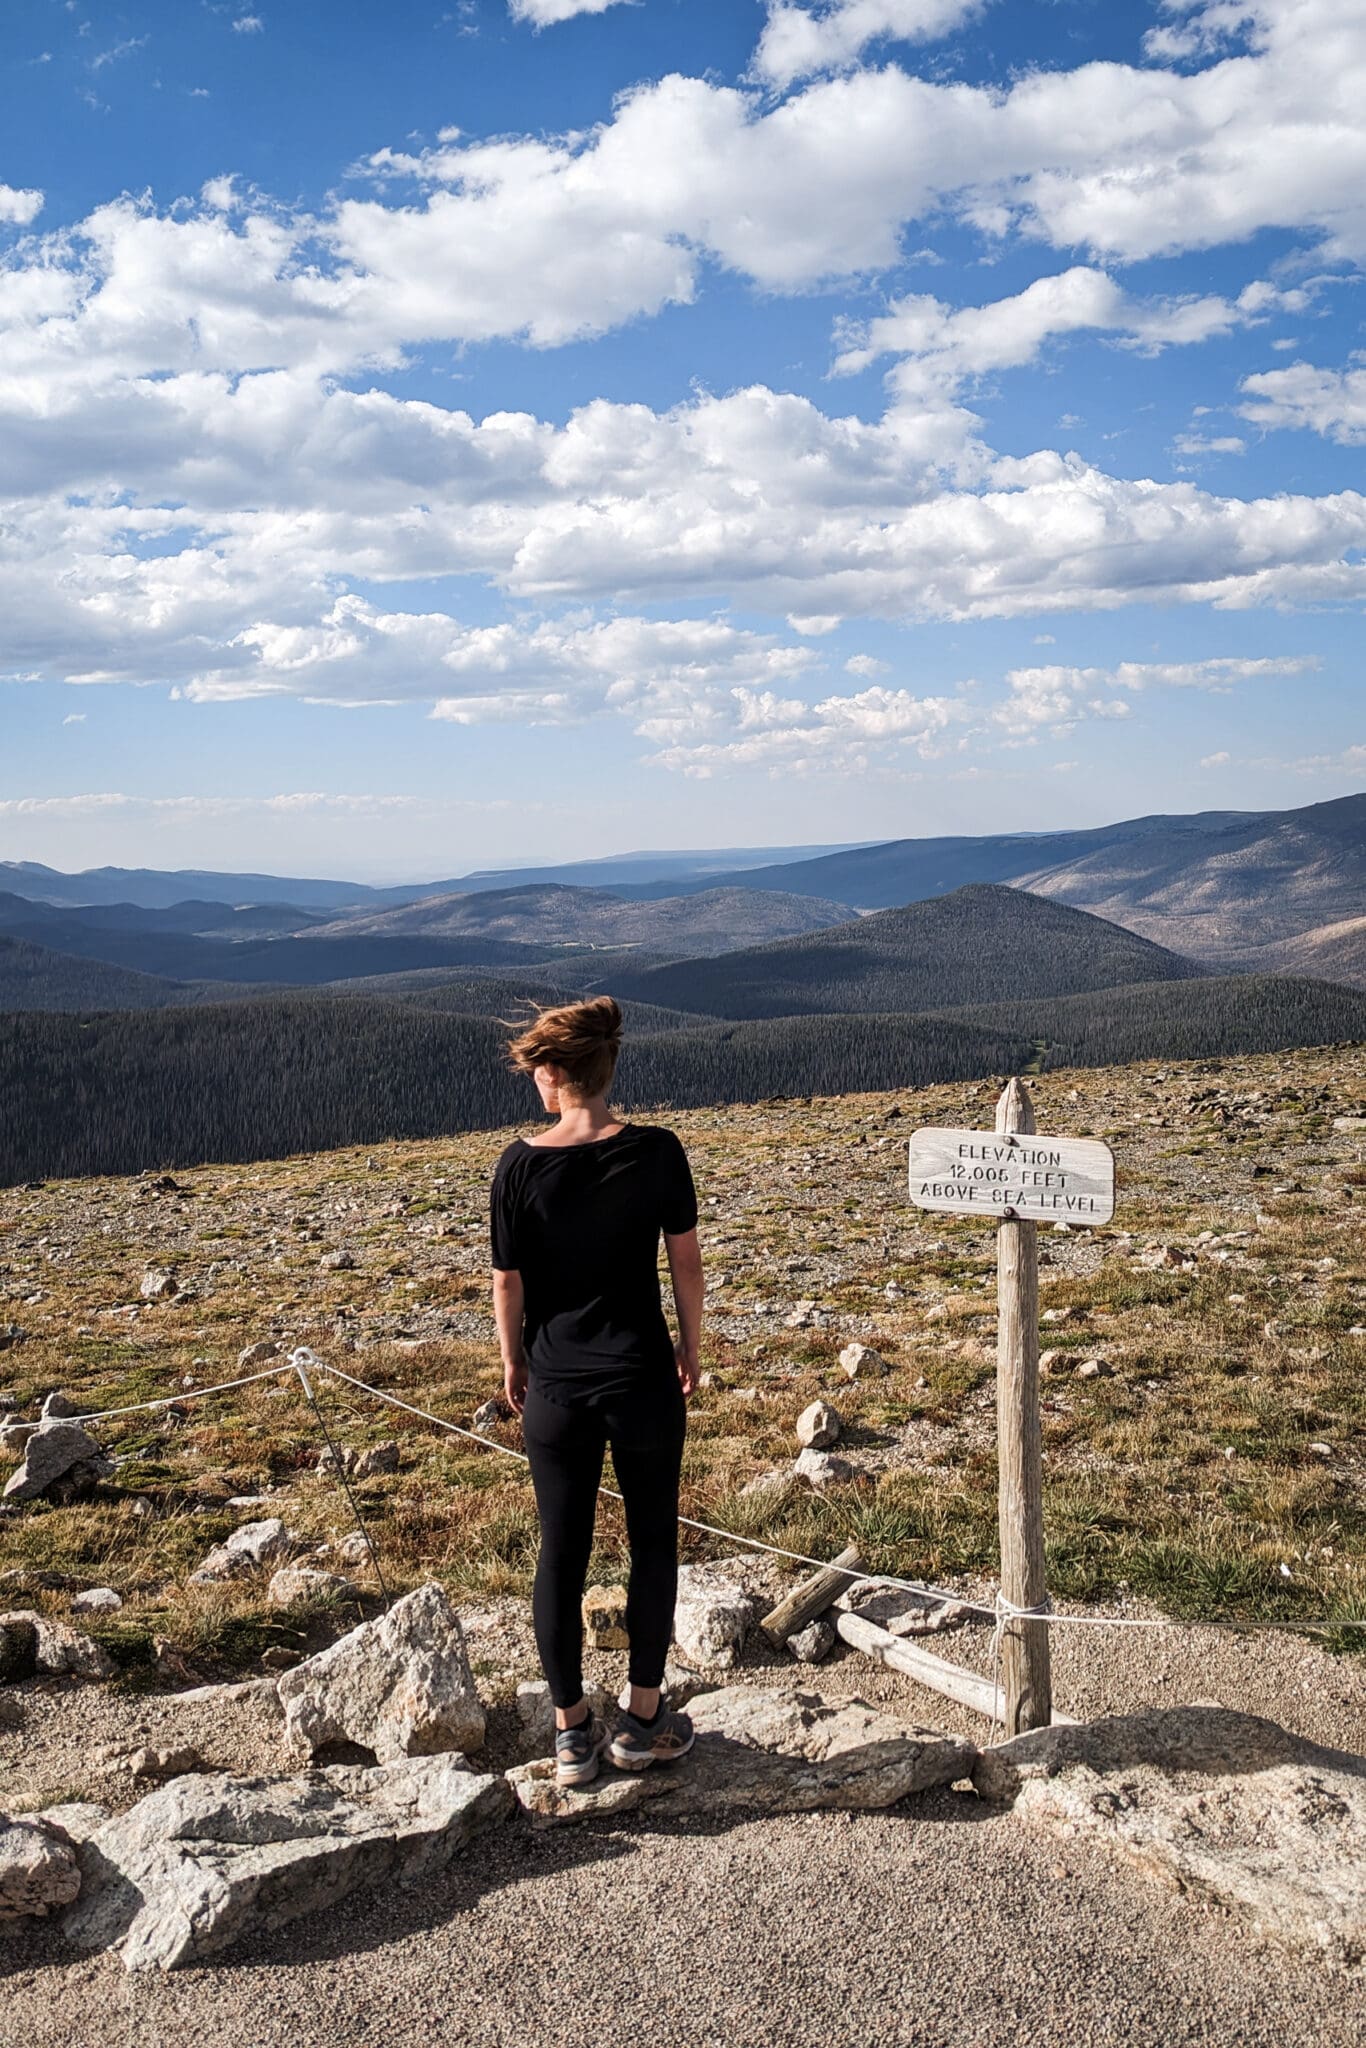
[[1001, 1612], [188, 1394]]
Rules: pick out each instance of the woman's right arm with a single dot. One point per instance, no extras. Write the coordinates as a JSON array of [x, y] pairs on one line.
[[509, 1310]]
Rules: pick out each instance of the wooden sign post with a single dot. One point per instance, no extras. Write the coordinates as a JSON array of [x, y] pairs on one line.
[[1014, 1176]]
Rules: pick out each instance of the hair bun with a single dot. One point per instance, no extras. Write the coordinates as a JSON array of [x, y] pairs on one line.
[[603, 1017]]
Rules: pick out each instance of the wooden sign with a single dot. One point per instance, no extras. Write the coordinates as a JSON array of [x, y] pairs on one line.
[[1013, 1177]]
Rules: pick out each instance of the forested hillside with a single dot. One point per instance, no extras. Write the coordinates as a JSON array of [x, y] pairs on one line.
[[965, 948], [252, 1080], [1181, 1020], [288, 961], [35, 978], [514, 1001]]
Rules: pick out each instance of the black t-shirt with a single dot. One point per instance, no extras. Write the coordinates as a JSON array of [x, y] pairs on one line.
[[581, 1224]]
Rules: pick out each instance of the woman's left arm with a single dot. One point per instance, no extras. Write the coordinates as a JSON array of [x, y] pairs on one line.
[[685, 1271], [509, 1311]]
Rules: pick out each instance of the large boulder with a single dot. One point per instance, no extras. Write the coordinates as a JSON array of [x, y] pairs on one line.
[[201, 1862], [1221, 1804], [61, 1460], [784, 1750], [38, 1870], [399, 1686], [715, 1611]]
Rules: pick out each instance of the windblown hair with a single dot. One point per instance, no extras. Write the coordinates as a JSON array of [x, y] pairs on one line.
[[581, 1038]]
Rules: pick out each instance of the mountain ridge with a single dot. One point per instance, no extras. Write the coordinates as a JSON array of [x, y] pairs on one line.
[[939, 953]]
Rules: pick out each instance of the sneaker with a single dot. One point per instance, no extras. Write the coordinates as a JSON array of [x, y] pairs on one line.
[[636, 1743], [578, 1750]]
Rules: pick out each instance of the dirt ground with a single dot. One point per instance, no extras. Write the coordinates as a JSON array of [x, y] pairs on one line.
[[935, 1922]]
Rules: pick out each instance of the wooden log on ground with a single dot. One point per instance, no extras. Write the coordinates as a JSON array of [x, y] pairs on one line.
[[977, 1694], [956, 1684], [811, 1598]]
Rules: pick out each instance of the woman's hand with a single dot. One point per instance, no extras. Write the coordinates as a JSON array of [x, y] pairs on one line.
[[514, 1384], [688, 1373]]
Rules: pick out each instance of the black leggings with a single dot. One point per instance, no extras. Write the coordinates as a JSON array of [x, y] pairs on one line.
[[565, 1446]]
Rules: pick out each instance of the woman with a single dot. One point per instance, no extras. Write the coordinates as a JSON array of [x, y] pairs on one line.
[[588, 1361]]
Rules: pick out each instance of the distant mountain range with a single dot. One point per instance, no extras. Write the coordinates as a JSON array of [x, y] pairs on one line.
[[550, 914], [975, 946], [1234, 891], [161, 889]]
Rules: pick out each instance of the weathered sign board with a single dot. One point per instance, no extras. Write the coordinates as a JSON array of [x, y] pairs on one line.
[[1017, 1179], [1012, 1177]]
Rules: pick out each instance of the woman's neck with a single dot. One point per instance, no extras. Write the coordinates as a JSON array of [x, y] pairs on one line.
[[582, 1121]]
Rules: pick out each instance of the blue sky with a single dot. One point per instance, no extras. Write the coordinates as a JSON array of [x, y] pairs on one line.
[[439, 436]]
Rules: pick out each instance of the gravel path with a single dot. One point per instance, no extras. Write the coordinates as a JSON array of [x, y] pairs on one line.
[[934, 1925], [939, 1922]]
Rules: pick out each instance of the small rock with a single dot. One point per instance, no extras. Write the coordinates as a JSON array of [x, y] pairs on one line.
[[38, 1871], [164, 1763], [14, 1437], [548, 1802], [1093, 1369], [61, 1462], [276, 1657], [604, 1618], [818, 1426], [338, 1262], [488, 1415], [158, 1284], [714, 1613], [815, 1641], [299, 1582], [859, 1362], [97, 1600], [246, 1550], [10, 1335], [1053, 1361], [823, 1469], [257, 1354], [352, 1549], [375, 1460], [58, 1407]]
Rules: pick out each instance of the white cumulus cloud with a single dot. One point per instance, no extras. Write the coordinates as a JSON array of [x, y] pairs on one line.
[[19, 205], [799, 41], [544, 13], [1054, 698], [1330, 402]]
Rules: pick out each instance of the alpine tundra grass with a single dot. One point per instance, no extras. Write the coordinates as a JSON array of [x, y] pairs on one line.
[[1204, 1384]]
